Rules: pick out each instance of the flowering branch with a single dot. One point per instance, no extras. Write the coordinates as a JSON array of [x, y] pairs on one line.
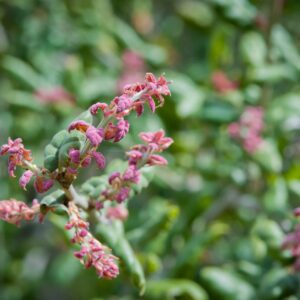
[[75, 148]]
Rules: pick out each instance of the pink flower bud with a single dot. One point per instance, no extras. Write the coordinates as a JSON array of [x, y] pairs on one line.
[[122, 130], [157, 160], [100, 159], [113, 176], [74, 155], [79, 125], [132, 174], [86, 162], [122, 195], [42, 185], [95, 135], [123, 102], [95, 107], [25, 178]]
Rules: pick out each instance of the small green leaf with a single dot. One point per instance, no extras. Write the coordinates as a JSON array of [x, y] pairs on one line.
[[169, 289], [269, 232], [23, 73], [268, 156], [253, 48], [54, 200], [226, 285], [277, 196]]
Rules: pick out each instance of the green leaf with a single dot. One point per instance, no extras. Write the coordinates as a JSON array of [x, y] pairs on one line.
[[272, 73], [226, 285], [56, 153], [185, 88], [158, 218], [85, 116], [168, 289], [286, 111], [219, 112], [24, 100], [196, 12], [54, 200], [276, 197], [278, 284], [253, 48], [269, 232], [294, 186], [94, 186], [268, 156], [285, 44], [23, 73], [69, 143], [113, 235], [58, 138]]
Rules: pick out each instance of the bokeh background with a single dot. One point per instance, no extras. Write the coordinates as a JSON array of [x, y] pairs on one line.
[[211, 224]]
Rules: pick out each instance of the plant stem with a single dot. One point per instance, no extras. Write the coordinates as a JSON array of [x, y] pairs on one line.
[[78, 199]]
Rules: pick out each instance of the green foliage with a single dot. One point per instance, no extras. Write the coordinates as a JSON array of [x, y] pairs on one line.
[[211, 224]]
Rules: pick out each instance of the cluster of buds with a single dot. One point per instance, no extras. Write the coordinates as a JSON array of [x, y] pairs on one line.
[[134, 97], [92, 253], [54, 95], [140, 155], [113, 126], [292, 242], [13, 211], [248, 129], [20, 156]]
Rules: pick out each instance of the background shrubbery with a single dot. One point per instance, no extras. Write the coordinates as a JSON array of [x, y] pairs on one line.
[[211, 224]]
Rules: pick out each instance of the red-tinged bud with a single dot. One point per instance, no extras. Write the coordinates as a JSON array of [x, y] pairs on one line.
[[156, 160], [79, 125], [74, 155], [95, 107], [25, 178], [122, 195], [100, 159], [42, 185], [123, 103], [122, 130], [113, 176], [86, 162], [297, 212], [132, 174], [95, 135]]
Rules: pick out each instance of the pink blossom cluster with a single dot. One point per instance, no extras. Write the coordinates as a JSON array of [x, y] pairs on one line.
[[134, 97], [92, 253], [13, 211], [54, 95], [132, 69], [19, 156], [113, 125], [222, 83], [248, 129], [292, 242], [140, 155]]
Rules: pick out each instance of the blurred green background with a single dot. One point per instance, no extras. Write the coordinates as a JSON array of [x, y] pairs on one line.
[[216, 216]]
